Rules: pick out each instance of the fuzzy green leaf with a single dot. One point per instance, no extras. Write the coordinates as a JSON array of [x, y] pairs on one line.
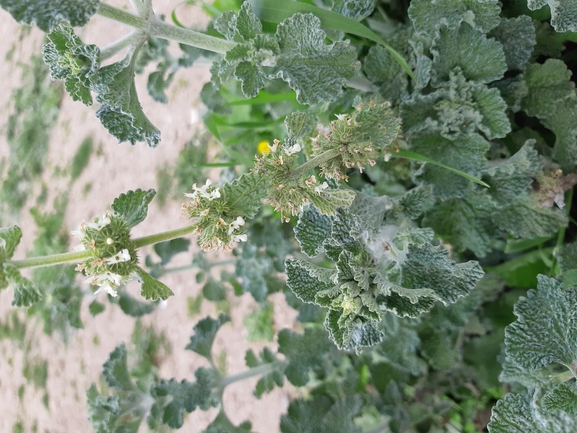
[[480, 59], [428, 17], [132, 307], [512, 177], [116, 370], [545, 331], [311, 231], [303, 352], [517, 35], [563, 397], [383, 70], [120, 111], [399, 347], [465, 153], [133, 206], [204, 332], [563, 13], [458, 107], [332, 199], [245, 194], [518, 414], [549, 84], [152, 289], [315, 71], [355, 336], [48, 15], [25, 291], [9, 239], [528, 219], [69, 59], [300, 124], [307, 280], [102, 411], [174, 398], [321, 414], [251, 77], [167, 250], [252, 268]]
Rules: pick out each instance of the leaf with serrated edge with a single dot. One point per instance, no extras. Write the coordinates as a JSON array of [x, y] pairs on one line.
[[152, 289], [311, 231], [480, 59], [316, 71], [133, 206], [563, 13], [25, 291], [545, 331], [204, 332], [116, 370], [307, 280], [48, 15], [69, 59], [244, 195], [427, 17]]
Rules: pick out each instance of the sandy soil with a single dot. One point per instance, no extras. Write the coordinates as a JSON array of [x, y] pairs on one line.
[[116, 169]]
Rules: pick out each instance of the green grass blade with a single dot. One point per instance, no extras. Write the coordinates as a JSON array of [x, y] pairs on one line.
[[277, 10], [407, 154]]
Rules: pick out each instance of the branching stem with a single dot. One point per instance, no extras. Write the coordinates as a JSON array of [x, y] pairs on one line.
[[115, 47], [255, 371], [121, 16]]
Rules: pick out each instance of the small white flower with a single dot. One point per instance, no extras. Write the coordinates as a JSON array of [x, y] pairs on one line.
[[292, 149], [239, 238], [107, 277], [122, 256], [109, 241], [108, 289], [202, 191], [321, 187], [80, 247], [99, 223], [235, 225], [341, 116]]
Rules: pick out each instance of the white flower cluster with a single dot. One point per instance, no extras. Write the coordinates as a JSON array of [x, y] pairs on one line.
[[107, 280], [202, 192], [235, 225]]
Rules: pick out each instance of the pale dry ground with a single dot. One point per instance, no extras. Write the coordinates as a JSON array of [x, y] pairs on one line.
[[118, 168]]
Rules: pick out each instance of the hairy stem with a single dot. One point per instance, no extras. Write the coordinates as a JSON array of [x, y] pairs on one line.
[[314, 162], [163, 236], [193, 266], [142, 7], [115, 47], [78, 256], [255, 371], [189, 37], [55, 259], [121, 16]]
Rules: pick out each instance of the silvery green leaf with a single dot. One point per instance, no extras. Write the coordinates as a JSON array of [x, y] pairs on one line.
[[520, 413], [251, 77], [481, 59], [517, 35], [312, 229], [9, 239], [204, 332], [355, 336], [545, 331], [307, 280], [330, 200], [549, 84], [563, 13], [69, 59], [527, 218], [115, 370], [133, 206], [48, 15], [316, 71], [427, 17], [152, 289], [120, 111], [384, 71], [300, 124], [303, 352], [25, 291], [245, 194], [561, 397]]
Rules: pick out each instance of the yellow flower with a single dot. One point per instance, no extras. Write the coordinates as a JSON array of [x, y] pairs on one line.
[[263, 146]]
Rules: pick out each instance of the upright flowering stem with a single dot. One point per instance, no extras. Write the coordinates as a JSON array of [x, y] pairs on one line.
[[78, 256]]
